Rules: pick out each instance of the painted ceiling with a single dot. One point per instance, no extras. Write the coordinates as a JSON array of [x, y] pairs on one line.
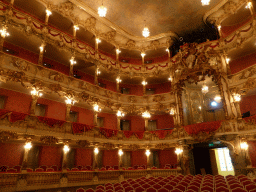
[[179, 16]]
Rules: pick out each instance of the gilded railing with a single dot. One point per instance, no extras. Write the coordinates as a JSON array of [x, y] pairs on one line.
[[43, 178]]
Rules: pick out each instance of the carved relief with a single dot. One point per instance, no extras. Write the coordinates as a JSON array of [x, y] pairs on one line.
[[49, 140], [7, 135], [83, 143], [162, 146], [133, 147]]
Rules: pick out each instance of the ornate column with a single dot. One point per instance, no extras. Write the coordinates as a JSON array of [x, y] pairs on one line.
[[41, 54], [97, 72], [96, 110], [75, 28], [120, 154], [118, 81], [69, 103], [117, 56], [48, 13], [179, 151], [148, 159], [35, 95], [144, 83], [97, 41], [237, 99], [71, 68], [95, 158], [64, 160], [27, 147], [142, 58]]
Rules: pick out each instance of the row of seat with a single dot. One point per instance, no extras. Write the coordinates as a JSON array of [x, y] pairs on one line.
[[189, 183]]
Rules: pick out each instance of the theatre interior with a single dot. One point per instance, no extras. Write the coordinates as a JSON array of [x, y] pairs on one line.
[[128, 95]]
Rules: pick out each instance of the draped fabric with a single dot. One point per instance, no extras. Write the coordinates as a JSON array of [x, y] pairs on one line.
[[108, 132], [206, 127], [80, 128], [3, 113], [14, 116], [250, 119], [51, 122], [139, 134], [128, 134]]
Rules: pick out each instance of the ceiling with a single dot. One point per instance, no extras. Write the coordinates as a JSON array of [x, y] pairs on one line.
[[161, 16]]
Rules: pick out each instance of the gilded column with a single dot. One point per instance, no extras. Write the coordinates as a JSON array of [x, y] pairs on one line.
[[95, 158], [64, 159], [35, 95], [27, 147], [41, 53]]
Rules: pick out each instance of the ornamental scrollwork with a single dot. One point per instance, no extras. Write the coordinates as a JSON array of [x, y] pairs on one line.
[[7, 135], [49, 140]]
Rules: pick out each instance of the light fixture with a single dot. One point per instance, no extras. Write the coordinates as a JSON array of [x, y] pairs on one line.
[[172, 111], [205, 89], [147, 152], [248, 5], [120, 114], [98, 40], [28, 145], [120, 152], [48, 12], [143, 54], [178, 151], [118, 80], [170, 79], [146, 115], [41, 48], [98, 72], [76, 27], [96, 150], [205, 2], [144, 83], [35, 92], [118, 51], [96, 108], [102, 11], [66, 148], [69, 101], [219, 27], [167, 50], [244, 145], [217, 98], [200, 107], [237, 97], [227, 60], [72, 61], [214, 104], [4, 32], [145, 31]]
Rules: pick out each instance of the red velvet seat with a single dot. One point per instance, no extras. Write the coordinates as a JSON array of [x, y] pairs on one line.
[[127, 189], [139, 189], [238, 190], [206, 188], [11, 170], [163, 190], [17, 167], [180, 187], [235, 185], [151, 189], [193, 187], [80, 190], [250, 187], [39, 170], [55, 167], [44, 167], [221, 189]]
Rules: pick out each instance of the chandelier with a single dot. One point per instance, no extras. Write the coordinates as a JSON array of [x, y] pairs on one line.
[[102, 11], [205, 89], [146, 115], [205, 2], [4, 32], [96, 108], [145, 32], [217, 98], [72, 61], [120, 114]]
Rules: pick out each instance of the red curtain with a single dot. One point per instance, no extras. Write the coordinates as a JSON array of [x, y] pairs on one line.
[[206, 127], [108, 132], [16, 116], [128, 134], [80, 128], [161, 134], [49, 121]]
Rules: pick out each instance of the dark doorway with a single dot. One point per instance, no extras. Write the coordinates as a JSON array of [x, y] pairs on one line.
[[202, 159]]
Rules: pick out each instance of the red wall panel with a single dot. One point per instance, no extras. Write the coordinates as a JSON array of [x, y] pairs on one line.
[[16, 101], [85, 116], [11, 154], [248, 104], [54, 109], [50, 155], [134, 89], [57, 66], [167, 157], [163, 121], [252, 150], [110, 157], [242, 63], [137, 123], [138, 158], [160, 88], [110, 120], [83, 156]]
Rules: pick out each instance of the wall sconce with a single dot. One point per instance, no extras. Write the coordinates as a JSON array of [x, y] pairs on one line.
[[34, 92], [144, 83], [172, 111], [147, 152], [66, 148], [98, 40], [248, 5], [143, 54], [178, 151], [98, 71], [120, 114], [146, 115], [170, 79], [48, 12], [96, 150], [118, 80], [96, 108], [205, 89], [70, 101], [41, 48], [4, 32], [227, 60], [120, 152], [237, 97], [217, 98], [167, 50], [72, 61], [219, 27], [76, 27], [118, 51], [244, 145], [28, 146]]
